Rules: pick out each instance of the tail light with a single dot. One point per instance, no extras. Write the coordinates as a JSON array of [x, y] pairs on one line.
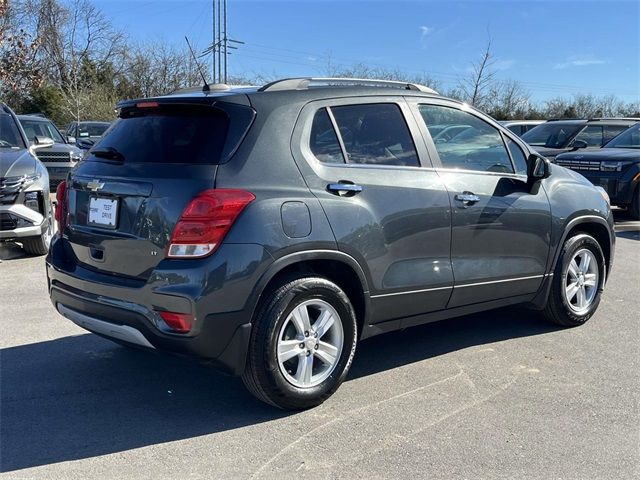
[[61, 206], [205, 222]]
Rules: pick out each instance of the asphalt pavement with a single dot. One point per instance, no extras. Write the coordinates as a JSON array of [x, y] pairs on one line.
[[495, 395]]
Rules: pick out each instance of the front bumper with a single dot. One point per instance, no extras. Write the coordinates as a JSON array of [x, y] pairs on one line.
[[19, 221], [619, 185], [126, 310]]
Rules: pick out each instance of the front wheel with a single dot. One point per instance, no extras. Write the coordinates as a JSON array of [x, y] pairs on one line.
[[578, 281], [40, 245], [302, 344]]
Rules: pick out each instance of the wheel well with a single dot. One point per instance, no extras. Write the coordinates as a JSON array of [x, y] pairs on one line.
[[338, 272], [600, 233]]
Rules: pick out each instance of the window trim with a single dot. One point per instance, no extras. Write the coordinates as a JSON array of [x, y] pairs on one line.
[[336, 131]]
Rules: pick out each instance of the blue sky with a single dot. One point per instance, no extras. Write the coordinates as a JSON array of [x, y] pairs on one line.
[[554, 48]]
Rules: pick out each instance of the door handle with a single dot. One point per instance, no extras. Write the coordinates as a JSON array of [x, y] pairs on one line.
[[467, 198], [344, 188]]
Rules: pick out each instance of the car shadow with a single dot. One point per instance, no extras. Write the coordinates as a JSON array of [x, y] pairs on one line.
[[82, 396], [11, 251]]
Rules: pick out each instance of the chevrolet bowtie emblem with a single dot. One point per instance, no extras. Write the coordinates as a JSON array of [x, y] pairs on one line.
[[95, 185]]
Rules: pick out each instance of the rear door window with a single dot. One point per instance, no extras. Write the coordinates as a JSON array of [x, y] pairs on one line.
[[375, 134], [174, 134], [324, 142]]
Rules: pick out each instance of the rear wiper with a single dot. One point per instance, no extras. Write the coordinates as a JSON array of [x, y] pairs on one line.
[[108, 152]]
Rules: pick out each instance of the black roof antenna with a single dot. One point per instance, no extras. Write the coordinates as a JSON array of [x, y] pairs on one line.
[[205, 87]]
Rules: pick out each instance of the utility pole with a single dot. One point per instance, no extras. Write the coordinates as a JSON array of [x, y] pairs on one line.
[[220, 43], [213, 43]]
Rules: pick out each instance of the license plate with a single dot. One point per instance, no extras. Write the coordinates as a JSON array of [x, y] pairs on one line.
[[103, 212]]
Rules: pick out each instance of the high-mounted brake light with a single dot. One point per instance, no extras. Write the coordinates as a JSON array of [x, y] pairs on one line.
[[61, 206], [205, 222], [147, 104]]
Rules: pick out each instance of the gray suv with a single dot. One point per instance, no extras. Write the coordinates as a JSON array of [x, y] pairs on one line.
[[60, 157], [268, 230], [26, 213]]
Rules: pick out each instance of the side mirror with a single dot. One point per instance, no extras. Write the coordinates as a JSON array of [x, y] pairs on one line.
[[71, 139], [537, 168], [42, 142], [579, 144]]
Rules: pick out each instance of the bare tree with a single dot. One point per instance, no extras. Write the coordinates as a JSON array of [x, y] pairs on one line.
[[475, 86], [18, 48], [80, 42]]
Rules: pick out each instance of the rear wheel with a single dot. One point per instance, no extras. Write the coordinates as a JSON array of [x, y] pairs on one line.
[[40, 245], [302, 344], [577, 282]]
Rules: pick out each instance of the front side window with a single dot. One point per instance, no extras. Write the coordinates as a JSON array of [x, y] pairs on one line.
[[9, 134], [375, 134], [518, 156], [592, 134], [478, 146]]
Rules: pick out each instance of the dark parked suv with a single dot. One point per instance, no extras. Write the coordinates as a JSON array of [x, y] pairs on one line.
[[270, 229], [615, 167], [559, 136]]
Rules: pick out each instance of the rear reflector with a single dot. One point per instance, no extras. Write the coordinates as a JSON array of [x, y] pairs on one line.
[[205, 222], [178, 322]]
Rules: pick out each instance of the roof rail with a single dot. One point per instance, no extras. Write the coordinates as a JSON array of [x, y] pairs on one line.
[[633, 119], [303, 83]]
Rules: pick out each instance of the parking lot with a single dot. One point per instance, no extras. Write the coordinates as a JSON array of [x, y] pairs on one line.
[[495, 395]]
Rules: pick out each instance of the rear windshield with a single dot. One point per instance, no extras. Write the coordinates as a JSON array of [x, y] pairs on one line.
[[552, 134], [174, 134]]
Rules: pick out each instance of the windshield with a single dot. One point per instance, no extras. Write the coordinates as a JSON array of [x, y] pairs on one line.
[[39, 128], [552, 134], [9, 134], [630, 138], [165, 135]]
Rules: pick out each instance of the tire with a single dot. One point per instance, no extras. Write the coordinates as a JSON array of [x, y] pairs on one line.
[[634, 207], [39, 245], [278, 328], [589, 283]]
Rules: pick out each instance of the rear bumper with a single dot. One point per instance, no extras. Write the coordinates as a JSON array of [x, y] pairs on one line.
[[127, 311]]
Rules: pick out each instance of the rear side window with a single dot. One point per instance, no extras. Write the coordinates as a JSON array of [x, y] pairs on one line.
[[375, 134], [612, 131], [323, 141], [173, 134]]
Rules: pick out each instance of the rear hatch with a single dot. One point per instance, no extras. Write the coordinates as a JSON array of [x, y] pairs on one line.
[[125, 198]]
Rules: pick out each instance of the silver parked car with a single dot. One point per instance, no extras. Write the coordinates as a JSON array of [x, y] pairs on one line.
[[26, 212], [60, 157]]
